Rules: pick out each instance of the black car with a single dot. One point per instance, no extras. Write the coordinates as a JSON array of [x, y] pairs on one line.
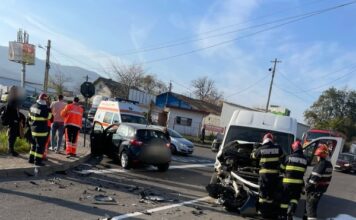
[[346, 163], [132, 144]]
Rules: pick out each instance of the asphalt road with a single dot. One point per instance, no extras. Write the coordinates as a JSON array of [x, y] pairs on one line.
[[71, 195]]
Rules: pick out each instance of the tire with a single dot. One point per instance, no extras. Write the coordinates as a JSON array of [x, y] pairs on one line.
[[124, 160], [174, 149], [163, 167]]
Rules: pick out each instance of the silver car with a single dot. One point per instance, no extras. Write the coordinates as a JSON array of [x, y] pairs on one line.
[[179, 144]]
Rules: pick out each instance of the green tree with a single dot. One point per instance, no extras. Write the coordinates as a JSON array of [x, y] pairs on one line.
[[335, 110]]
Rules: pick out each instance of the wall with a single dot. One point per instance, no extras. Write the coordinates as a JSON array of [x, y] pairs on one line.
[[171, 101], [102, 89], [141, 97], [227, 111], [301, 128], [194, 129], [213, 120]]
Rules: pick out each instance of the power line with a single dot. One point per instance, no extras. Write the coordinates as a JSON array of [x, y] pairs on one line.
[[248, 87], [251, 34], [290, 93], [184, 40]]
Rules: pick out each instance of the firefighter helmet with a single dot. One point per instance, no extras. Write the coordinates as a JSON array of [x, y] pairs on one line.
[[43, 96], [322, 151], [297, 145], [267, 138]]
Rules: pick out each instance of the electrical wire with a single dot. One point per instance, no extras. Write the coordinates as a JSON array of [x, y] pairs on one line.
[[249, 35], [190, 39], [248, 87]]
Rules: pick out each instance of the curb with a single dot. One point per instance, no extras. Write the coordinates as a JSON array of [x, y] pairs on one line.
[[43, 171], [201, 145]]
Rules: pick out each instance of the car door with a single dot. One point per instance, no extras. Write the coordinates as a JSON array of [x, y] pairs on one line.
[[96, 139], [335, 145]]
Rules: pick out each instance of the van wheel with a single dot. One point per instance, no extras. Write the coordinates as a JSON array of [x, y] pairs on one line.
[[124, 160], [163, 167]]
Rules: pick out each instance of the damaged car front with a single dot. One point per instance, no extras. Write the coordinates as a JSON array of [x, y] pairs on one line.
[[235, 181]]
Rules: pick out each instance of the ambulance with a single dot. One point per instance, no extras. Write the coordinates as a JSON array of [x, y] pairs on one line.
[[118, 111]]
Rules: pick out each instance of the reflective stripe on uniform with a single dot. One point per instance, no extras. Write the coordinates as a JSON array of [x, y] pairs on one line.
[[75, 125], [75, 112], [268, 171], [35, 118], [261, 200], [326, 175], [316, 174], [49, 115], [288, 180], [295, 168], [39, 134], [284, 206], [272, 159], [283, 167], [294, 201], [33, 153], [312, 218], [312, 181]]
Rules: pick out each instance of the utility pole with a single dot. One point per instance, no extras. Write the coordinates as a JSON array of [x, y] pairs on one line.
[[48, 51], [275, 61]]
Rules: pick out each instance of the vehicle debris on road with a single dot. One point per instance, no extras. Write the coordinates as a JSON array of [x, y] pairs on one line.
[[103, 199]]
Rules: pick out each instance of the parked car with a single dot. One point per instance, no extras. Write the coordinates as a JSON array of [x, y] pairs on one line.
[[28, 102], [215, 146], [179, 144], [132, 144], [346, 163]]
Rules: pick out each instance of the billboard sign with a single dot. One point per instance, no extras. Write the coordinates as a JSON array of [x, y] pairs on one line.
[[22, 53]]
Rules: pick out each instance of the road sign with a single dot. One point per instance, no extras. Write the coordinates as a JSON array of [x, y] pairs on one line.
[[87, 89]]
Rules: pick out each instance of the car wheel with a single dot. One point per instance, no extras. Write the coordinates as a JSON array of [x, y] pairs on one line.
[[163, 167], [124, 160], [174, 149]]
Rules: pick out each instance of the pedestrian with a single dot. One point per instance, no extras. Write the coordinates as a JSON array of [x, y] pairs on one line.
[[269, 157], [294, 167], [203, 134], [57, 128], [318, 181], [72, 114], [39, 115], [11, 117]]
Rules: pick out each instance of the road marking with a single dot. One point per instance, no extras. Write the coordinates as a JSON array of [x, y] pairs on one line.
[[118, 170], [191, 159], [128, 215], [191, 166]]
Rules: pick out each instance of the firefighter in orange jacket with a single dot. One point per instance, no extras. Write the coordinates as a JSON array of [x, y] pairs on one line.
[[72, 115]]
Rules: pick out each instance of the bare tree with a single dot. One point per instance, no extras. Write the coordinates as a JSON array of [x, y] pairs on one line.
[[58, 81], [205, 89], [135, 76]]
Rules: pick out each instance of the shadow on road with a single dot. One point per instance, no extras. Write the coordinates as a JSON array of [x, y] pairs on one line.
[[330, 207]]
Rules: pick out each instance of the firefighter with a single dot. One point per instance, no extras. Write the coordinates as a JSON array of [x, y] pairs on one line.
[[39, 115], [294, 168], [318, 181], [269, 156], [72, 114]]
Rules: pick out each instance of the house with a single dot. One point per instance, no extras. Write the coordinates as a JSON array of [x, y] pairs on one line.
[[185, 115], [110, 88]]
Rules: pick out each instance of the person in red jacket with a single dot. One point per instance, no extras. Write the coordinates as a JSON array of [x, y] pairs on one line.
[[72, 114]]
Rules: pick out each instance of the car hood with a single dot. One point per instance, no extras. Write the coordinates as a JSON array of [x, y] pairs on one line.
[[182, 141]]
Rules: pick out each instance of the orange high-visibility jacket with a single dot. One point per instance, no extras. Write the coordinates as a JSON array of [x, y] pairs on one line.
[[72, 115]]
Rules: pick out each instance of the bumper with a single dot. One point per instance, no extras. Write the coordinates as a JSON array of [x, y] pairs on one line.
[[342, 168], [185, 150], [155, 156]]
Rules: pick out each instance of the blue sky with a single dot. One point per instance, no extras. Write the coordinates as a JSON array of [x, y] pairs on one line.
[[92, 34]]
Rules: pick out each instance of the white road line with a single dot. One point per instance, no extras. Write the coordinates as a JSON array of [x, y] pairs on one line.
[[123, 170], [191, 166], [160, 208]]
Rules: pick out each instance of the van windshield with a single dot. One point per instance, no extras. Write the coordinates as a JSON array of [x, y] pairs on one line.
[[314, 135], [255, 135], [133, 119]]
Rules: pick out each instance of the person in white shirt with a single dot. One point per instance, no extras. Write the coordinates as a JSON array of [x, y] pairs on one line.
[[58, 123]]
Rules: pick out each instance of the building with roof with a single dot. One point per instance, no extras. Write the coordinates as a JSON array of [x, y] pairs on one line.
[[186, 115], [110, 88]]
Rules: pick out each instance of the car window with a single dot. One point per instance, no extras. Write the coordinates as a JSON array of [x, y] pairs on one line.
[[108, 117], [174, 134], [116, 118], [97, 127], [133, 119], [123, 130], [146, 135]]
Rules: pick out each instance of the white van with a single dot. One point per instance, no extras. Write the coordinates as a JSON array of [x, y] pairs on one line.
[[115, 112], [250, 127]]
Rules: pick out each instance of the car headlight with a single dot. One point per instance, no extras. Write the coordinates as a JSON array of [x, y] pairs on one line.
[[346, 164]]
